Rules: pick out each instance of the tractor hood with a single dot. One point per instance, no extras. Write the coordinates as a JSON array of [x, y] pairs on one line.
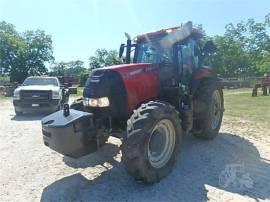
[[132, 83], [129, 70]]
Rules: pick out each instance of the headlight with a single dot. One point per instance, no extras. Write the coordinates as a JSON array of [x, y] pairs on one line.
[[55, 95], [103, 102], [96, 102], [16, 95]]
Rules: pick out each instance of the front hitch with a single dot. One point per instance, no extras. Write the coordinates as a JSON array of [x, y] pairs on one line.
[[70, 132]]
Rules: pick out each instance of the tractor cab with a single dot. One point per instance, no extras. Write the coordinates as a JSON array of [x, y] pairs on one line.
[[176, 51]]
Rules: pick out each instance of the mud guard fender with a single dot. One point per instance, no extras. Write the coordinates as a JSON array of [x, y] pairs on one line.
[[199, 75]]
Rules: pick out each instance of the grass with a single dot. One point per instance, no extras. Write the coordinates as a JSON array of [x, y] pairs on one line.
[[237, 91], [79, 92], [239, 103]]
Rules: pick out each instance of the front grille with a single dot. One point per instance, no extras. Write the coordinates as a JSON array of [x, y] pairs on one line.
[[36, 95], [29, 103]]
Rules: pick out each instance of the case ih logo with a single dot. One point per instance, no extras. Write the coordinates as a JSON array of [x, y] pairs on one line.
[[133, 73], [138, 71]]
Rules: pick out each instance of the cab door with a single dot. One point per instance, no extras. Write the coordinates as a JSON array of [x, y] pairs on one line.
[[187, 60]]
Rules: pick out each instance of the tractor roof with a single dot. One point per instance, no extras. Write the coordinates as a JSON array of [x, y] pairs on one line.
[[164, 32]]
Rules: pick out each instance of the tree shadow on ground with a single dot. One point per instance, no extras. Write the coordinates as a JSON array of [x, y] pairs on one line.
[[228, 162]]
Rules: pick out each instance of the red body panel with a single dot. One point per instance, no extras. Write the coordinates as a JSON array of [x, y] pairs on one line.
[[141, 82], [204, 72]]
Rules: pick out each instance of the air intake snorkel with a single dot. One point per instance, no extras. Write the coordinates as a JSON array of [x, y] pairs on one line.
[[128, 50]]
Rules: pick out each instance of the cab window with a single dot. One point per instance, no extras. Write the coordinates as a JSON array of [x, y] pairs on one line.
[[188, 55]]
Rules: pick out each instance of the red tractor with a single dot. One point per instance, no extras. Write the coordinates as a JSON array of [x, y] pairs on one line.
[[162, 93]]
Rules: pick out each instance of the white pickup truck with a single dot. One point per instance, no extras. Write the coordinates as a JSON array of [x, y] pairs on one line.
[[42, 94]]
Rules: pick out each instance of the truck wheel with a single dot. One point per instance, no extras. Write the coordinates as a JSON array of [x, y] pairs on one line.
[[152, 141], [208, 110]]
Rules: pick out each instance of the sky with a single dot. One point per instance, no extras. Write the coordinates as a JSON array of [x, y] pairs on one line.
[[79, 27]]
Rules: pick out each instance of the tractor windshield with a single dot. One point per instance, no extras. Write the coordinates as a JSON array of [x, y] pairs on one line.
[[153, 53]]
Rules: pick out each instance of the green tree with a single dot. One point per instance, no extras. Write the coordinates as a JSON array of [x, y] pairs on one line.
[[24, 54], [58, 69], [230, 60], [83, 78], [71, 68], [104, 58], [75, 68], [12, 47], [253, 39], [243, 50], [263, 66]]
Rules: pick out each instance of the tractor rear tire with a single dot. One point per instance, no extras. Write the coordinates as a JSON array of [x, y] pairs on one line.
[[208, 110], [152, 141]]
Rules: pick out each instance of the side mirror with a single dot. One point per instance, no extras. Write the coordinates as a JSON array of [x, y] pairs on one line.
[[209, 48], [121, 50]]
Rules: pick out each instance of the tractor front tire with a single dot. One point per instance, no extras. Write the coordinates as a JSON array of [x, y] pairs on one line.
[[208, 110], [152, 141]]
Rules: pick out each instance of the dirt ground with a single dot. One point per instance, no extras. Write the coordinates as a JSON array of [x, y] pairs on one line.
[[233, 167]]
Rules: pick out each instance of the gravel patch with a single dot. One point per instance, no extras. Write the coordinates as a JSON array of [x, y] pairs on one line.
[[235, 166]]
